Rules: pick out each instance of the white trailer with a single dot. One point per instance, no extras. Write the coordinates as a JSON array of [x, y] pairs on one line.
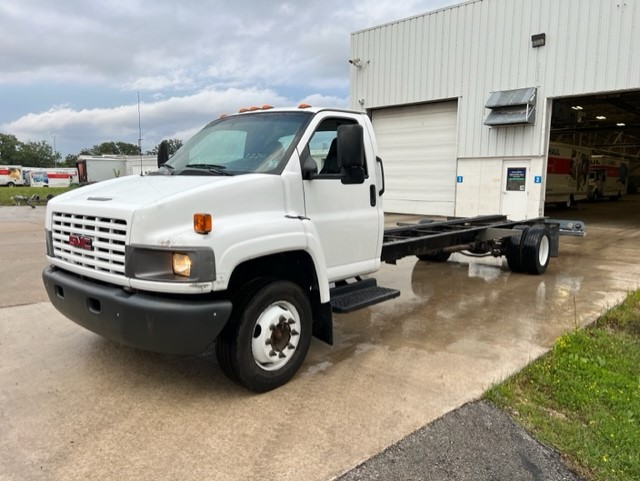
[[608, 177], [567, 174], [50, 177], [11, 175], [105, 167]]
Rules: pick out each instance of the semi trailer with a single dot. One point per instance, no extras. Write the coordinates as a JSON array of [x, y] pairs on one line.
[[249, 239]]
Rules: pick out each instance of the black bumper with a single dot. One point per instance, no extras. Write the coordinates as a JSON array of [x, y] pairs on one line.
[[172, 326]]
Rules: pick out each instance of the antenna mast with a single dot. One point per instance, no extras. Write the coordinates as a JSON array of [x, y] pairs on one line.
[[139, 133]]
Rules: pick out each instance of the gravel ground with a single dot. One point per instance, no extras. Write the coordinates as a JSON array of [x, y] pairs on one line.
[[475, 442]]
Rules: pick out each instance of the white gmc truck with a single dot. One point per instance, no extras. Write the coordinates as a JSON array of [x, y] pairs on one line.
[[249, 238]]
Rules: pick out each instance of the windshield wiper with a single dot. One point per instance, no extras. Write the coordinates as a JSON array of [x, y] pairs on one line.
[[213, 168]]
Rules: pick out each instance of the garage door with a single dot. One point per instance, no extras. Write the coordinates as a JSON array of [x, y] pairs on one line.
[[418, 146]]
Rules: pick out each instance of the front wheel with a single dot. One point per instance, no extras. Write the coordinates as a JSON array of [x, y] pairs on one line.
[[566, 204], [10, 184], [265, 343]]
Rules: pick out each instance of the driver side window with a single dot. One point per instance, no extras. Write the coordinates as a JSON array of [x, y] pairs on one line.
[[322, 147]]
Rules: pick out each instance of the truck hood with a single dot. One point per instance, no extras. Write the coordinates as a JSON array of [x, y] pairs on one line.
[[136, 190], [167, 197]]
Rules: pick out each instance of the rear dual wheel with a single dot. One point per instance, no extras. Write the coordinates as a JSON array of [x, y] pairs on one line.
[[266, 341], [514, 247], [530, 251]]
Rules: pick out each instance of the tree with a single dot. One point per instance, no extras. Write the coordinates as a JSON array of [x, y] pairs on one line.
[[70, 160], [36, 154], [174, 145], [112, 148], [9, 146]]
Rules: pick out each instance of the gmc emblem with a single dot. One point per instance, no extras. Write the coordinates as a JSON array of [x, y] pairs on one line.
[[81, 242]]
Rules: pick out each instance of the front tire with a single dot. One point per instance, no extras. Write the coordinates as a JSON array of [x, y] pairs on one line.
[[265, 343], [567, 204]]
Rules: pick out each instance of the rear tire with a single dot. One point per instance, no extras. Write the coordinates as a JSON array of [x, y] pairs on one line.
[[514, 249], [536, 249], [265, 343]]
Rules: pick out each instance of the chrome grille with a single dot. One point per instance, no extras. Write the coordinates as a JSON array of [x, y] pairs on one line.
[[107, 241]]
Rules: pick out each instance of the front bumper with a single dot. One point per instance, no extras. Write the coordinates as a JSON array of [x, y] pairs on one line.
[[142, 321]]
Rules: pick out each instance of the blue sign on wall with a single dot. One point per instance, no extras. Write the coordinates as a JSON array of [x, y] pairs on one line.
[[537, 179], [459, 179]]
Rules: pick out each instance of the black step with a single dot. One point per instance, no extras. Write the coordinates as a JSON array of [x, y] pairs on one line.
[[351, 297]]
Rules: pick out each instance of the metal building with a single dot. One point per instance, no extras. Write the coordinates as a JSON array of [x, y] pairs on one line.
[[465, 100]]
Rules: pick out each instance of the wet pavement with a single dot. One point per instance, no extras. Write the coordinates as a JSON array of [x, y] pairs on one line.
[[74, 406]]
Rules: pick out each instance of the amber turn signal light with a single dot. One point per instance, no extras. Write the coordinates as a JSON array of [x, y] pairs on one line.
[[202, 223]]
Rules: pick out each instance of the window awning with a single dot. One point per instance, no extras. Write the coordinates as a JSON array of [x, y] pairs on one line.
[[512, 107]]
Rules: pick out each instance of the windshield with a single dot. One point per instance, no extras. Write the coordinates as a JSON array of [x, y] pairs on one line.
[[259, 142]]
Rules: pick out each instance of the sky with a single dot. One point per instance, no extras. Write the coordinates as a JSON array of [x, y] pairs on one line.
[[71, 71]]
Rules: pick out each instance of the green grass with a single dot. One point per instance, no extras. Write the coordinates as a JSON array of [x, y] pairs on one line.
[[583, 397], [6, 193]]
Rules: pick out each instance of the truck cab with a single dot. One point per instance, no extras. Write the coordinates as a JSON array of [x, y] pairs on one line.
[[235, 241]]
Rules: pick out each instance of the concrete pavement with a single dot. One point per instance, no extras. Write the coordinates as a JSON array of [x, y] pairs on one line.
[[74, 406]]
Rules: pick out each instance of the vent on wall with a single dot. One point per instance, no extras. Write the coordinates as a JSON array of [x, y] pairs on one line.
[[512, 107]]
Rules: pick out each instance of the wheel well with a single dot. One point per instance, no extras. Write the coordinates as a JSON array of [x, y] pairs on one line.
[[294, 266]]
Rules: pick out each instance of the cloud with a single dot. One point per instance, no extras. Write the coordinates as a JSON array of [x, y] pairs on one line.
[[154, 44], [175, 117], [189, 61]]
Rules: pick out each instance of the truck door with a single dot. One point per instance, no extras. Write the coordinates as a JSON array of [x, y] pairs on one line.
[[348, 218]]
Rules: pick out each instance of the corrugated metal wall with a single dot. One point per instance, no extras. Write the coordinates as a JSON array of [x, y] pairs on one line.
[[469, 50]]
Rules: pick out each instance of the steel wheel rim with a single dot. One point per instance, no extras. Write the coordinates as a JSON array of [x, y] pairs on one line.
[[276, 335], [543, 250]]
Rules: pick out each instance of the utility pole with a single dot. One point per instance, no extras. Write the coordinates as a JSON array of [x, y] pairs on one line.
[[54, 150]]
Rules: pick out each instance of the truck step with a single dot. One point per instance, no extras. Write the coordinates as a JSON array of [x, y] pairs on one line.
[[363, 293]]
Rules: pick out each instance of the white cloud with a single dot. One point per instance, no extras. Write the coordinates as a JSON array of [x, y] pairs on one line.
[[191, 59], [175, 117]]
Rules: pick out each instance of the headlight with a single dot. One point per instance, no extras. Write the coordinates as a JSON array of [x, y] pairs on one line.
[[181, 264], [170, 264]]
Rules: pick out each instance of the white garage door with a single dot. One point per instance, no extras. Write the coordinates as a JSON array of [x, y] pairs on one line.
[[418, 147]]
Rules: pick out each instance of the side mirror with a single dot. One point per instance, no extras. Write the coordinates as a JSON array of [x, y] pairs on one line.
[[163, 153], [309, 166], [351, 153]]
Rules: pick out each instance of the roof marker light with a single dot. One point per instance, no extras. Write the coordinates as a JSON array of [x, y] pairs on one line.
[[304, 106], [267, 107]]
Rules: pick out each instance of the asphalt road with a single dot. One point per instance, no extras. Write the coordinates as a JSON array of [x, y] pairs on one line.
[[476, 442], [74, 406]]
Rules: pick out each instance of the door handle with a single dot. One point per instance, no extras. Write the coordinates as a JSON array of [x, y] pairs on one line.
[[372, 195]]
